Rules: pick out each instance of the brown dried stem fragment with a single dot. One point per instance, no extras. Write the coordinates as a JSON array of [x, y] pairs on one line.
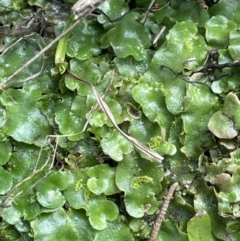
[[158, 222]]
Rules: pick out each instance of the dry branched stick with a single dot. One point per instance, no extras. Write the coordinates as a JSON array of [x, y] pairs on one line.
[[151, 8], [158, 222], [41, 52], [8, 46], [30, 77], [41, 169], [8, 199], [81, 9], [5, 84], [146, 14]]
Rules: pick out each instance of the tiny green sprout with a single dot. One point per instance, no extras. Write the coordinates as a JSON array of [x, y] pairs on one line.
[[60, 61], [138, 181], [88, 195], [79, 185], [19, 4]]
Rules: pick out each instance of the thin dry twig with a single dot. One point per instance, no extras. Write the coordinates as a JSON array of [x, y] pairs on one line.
[[41, 52], [180, 77], [8, 46], [8, 199], [96, 106], [6, 83], [158, 222], [150, 8], [159, 35], [147, 12]]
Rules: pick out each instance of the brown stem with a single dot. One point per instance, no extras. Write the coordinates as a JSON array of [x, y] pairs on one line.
[[158, 222]]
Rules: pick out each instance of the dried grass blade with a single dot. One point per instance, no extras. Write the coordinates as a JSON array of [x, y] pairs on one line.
[[110, 116], [135, 142]]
